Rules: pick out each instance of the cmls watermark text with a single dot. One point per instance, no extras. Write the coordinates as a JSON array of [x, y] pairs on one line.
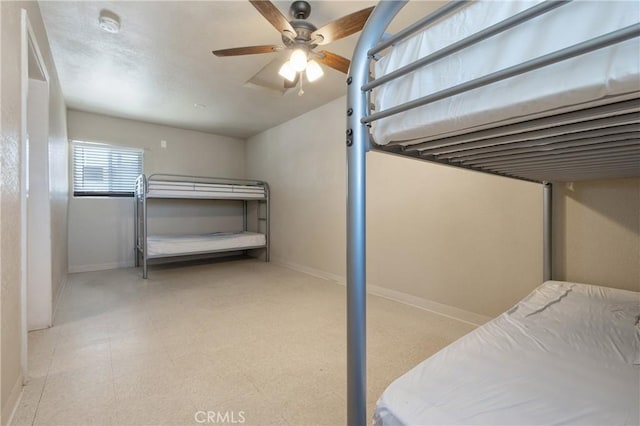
[[219, 417]]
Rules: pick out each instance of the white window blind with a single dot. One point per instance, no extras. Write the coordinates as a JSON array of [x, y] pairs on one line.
[[105, 170]]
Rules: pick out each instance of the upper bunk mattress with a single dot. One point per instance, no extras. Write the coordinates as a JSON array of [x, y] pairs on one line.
[[603, 76], [566, 354], [186, 244], [183, 189]]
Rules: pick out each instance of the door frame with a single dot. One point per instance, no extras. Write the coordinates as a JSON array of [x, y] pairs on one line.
[[28, 48]]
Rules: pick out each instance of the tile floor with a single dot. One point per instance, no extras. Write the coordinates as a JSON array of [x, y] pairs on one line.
[[243, 339]]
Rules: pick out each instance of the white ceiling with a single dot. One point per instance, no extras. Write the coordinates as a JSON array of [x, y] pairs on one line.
[[160, 64]]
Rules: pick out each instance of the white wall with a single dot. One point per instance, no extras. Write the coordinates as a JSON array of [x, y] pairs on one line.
[[458, 238], [10, 172], [597, 233], [39, 253], [435, 234], [58, 190], [101, 233]]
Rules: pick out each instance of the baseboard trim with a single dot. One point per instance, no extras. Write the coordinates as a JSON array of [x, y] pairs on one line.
[[397, 296], [99, 267], [429, 305], [309, 271], [11, 406]]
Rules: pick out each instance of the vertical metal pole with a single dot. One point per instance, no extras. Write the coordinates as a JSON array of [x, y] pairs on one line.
[[267, 192], [144, 228], [136, 231], [547, 238], [357, 147], [244, 215]]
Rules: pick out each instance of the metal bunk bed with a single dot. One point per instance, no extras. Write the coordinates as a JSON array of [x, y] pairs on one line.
[[169, 186], [598, 141]]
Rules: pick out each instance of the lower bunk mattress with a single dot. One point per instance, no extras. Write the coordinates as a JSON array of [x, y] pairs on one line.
[[174, 245], [566, 354]]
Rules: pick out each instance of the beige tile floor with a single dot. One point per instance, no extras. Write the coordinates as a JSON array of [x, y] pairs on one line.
[[242, 338]]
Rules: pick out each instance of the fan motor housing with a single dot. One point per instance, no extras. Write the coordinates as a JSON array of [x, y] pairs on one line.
[[303, 32]]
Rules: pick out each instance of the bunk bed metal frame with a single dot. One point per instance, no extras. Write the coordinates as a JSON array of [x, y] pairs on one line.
[[564, 147], [141, 210]]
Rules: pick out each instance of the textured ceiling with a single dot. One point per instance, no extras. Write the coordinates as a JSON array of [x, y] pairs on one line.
[[160, 64]]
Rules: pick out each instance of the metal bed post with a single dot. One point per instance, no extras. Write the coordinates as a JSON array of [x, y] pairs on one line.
[[144, 227], [244, 215], [244, 222], [267, 192], [136, 227], [357, 147], [547, 222]]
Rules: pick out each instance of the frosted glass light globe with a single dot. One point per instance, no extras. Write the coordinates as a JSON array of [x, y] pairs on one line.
[[298, 60], [287, 71], [314, 71]]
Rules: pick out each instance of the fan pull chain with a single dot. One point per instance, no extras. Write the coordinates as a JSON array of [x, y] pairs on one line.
[[300, 92]]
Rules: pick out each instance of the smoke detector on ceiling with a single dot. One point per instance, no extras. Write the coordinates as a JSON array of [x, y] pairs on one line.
[[109, 21]]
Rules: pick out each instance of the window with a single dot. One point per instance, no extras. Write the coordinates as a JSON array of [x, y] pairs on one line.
[[105, 170]]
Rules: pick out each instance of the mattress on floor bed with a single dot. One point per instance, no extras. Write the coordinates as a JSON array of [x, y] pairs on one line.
[[219, 241], [603, 76], [566, 354]]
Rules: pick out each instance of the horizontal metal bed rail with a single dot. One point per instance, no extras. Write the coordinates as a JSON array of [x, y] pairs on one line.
[[582, 119], [204, 179], [587, 159], [603, 41], [199, 253], [546, 143], [447, 147], [417, 26], [604, 168], [585, 149], [627, 169], [488, 32], [575, 173], [579, 131]]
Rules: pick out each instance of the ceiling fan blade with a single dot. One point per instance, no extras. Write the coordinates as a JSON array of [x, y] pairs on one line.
[[247, 50], [291, 84], [334, 61], [273, 15], [342, 27]]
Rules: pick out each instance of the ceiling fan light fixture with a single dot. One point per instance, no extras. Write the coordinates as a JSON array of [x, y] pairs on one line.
[[314, 71], [287, 71], [298, 60]]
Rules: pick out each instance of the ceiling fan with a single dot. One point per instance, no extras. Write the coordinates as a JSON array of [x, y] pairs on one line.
[[302, 38]]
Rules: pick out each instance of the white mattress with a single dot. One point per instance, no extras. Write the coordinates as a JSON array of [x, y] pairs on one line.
[[177, 189], [567, 354], [599, 77], [185, 244]]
